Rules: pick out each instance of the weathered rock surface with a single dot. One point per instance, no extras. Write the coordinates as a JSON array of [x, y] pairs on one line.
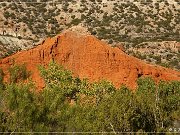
[[10, 44], [87, 57]]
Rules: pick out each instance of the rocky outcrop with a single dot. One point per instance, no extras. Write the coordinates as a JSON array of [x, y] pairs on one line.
[[87, 57], [10, 44]]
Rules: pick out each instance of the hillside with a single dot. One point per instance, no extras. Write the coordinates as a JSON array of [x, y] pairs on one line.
[[87, 57], [130, 23]]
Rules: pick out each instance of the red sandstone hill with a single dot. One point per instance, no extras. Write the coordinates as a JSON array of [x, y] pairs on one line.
[[87, 57]]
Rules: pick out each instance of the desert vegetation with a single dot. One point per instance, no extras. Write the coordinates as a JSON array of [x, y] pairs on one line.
[[133, 19], [69, 104]]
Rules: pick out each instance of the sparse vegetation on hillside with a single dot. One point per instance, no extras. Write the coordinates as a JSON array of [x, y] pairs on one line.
[[113, 21], [129, 17], [161, 53]]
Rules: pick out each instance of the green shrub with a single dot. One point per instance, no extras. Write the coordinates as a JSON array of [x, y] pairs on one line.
[[76, 21], [6, 23], [18, 73], [1, 79], [68, 104]]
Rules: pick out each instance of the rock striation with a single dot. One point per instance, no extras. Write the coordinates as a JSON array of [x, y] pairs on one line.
[[87, 57]]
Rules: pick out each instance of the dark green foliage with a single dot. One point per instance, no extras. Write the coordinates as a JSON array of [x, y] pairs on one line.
[[18, 73], [76, 21], [68, 104], [1, 79], [5, 23]]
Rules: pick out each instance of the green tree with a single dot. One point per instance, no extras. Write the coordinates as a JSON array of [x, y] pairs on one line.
[[1, 79], [69, 104], [18, 73]]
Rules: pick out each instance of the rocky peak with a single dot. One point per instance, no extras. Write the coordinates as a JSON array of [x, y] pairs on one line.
[[87, 57], [78, 30]]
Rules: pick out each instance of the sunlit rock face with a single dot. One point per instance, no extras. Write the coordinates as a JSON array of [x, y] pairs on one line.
[[87, 57]]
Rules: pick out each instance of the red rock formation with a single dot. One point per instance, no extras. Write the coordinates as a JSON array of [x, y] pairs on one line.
[[87, 57]]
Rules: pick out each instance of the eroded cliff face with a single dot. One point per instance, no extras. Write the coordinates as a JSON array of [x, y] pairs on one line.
[[87, 57]]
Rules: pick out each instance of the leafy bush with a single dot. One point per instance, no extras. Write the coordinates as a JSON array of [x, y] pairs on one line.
[[1, 79], [68, 104], [18, 73]]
